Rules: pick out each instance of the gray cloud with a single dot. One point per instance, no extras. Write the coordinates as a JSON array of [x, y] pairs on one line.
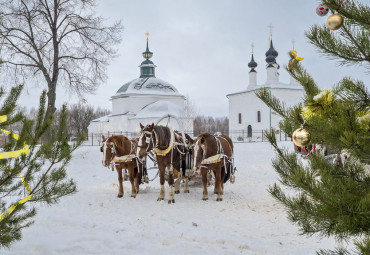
[[203, 47]]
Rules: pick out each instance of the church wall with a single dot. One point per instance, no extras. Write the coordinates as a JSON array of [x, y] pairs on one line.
[[248, 104], [135, 123], [290, 97], [136, 103], [118, 123], [98, 127]]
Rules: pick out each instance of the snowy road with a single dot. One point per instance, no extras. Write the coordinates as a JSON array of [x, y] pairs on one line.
[[95, 221]]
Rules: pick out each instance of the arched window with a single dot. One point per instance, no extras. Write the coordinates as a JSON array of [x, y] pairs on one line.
[[249, 131], [258, 116], [240, 118]]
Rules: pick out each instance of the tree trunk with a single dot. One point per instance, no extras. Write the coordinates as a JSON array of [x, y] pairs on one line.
[[51, 101]]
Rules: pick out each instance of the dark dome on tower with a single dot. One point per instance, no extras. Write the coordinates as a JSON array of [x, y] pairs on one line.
[[272, 51], [252, 64], [271, 54]]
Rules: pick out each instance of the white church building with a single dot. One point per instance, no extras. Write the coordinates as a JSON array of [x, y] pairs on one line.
[[248, 115], [143, 100]]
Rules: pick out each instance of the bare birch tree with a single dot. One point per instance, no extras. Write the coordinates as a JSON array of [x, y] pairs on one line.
[[188, 115], [80, 116], [59, 42]]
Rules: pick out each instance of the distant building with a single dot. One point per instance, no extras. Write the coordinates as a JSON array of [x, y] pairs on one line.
[[143, 100], [247, 113]]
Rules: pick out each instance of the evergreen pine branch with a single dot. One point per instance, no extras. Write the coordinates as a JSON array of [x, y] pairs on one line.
[[271, 101], [316, 207], [354, 92], [43, 168], [9, 106], [339, 45], [354, 11], [301, 75], [10, 229]]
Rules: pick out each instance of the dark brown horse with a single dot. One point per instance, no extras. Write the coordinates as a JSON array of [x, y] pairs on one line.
[[170, 153], [119, 151], [212, 152]]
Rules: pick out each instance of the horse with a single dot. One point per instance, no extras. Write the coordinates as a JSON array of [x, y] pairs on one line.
[[213, 152], [119, 151], [170, 152]]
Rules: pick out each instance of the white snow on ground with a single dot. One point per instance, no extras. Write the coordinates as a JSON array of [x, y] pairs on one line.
[[95, 221]]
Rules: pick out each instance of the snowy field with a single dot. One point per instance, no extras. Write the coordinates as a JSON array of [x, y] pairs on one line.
[[95, 221]]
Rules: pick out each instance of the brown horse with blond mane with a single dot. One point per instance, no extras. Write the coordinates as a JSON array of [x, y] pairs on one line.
[[213, 152], [119, 151]]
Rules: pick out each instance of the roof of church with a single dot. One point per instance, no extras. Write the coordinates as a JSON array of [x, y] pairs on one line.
[[271, 86], [158, 109], [148, 85]]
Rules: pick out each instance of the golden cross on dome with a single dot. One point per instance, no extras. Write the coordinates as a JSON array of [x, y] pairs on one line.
[[147, 36], [293, 42], [271, 28]]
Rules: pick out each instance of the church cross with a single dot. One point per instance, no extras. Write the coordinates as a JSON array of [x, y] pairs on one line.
[[271, 28], [147, 36]]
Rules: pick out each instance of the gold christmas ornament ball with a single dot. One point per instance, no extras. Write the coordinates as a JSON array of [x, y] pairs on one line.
[[301, 137], [334, 22]]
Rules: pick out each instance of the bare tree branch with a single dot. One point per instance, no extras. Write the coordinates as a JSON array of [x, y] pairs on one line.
[[64, 39]]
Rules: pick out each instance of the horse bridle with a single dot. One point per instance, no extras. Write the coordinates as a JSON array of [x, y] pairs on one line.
[[203, 149], [148, 139], [112, 149]]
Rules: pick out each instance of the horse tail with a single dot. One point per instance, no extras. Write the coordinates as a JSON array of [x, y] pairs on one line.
[[183, 166], [228, 172]]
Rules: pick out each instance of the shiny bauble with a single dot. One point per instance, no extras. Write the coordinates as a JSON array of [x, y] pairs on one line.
[[322, 10], [334, 22], [301, 137]]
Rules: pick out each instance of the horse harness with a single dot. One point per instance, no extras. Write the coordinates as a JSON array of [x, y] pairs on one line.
[[220, 152], [162, 152], [116, 161]]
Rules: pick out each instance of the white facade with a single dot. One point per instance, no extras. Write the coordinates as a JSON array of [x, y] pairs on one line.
[[144, 100], [248, 115]]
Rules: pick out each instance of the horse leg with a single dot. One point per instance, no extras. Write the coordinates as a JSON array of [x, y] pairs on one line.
[[170, 184], [131, 177], [218, 184], [186, 185], [213, 174], [161, 170], [205, 183], [120, 181], [177, 185], [223, 175], [137, 179]]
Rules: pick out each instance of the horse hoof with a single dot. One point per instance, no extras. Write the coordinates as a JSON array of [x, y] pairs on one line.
[[219, 199], [216, 192], [160, 199], [133, 196], [186, 191], [171, 201], [205, 199], [177, 192], [119, 195]]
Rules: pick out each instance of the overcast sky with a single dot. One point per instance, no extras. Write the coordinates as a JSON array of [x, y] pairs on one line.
[[202, 47]]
